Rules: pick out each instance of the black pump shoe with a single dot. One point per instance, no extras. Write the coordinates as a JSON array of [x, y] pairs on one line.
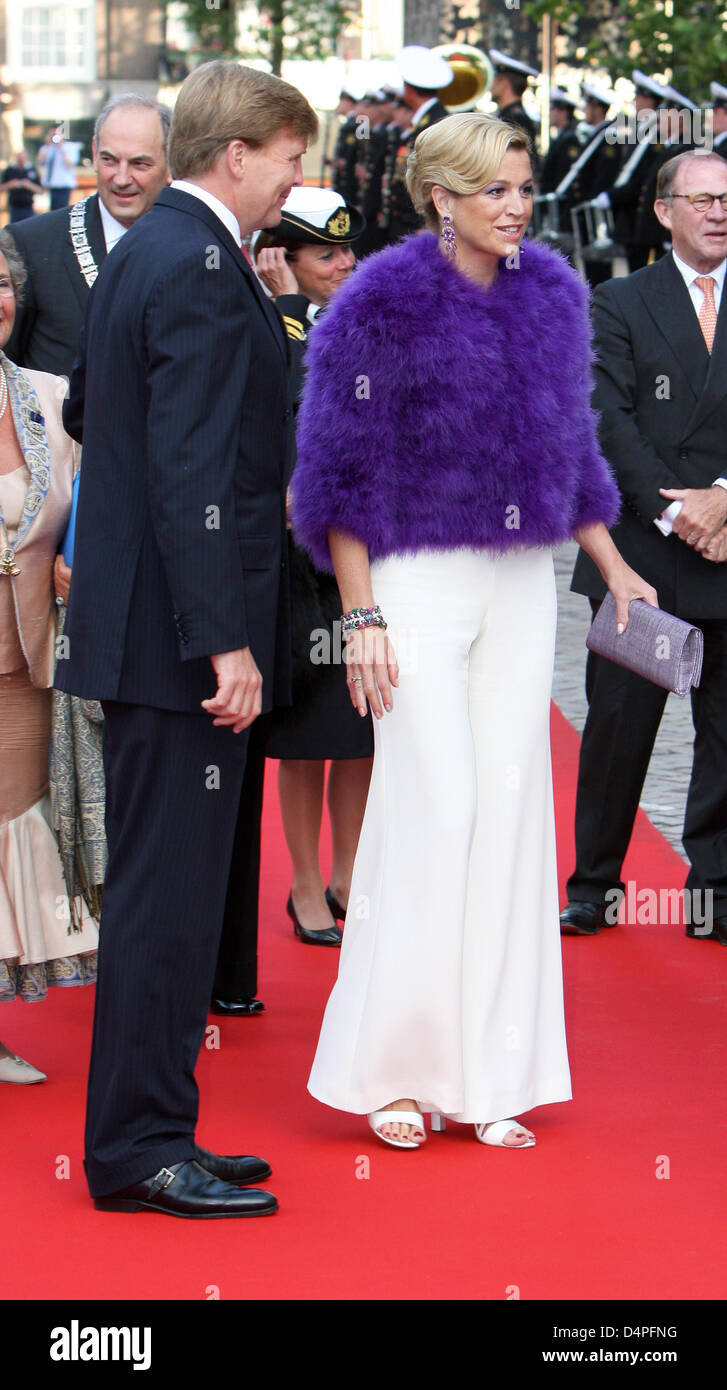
[[329, 936], [338, 912]]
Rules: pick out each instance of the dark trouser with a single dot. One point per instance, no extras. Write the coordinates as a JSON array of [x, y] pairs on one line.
[[236, 975], [173, 785], [59, 198], [624, 713], [21, 214]]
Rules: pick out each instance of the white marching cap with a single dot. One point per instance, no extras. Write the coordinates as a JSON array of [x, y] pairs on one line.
[[719, 93], [560, 98], [422, 68], [647, 84], [593, 93], [661, 90], [679, 99], [503, 60]]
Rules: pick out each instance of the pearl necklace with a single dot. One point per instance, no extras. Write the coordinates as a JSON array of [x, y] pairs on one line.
[[3, 393]]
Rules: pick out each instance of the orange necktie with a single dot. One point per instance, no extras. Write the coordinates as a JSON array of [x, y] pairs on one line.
[[708, 312]]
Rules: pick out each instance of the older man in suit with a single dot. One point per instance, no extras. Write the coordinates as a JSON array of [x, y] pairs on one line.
[[661, 340], [63, 251], [177, 615]]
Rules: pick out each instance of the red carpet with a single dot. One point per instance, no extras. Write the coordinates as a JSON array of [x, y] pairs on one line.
[[584, 1215]]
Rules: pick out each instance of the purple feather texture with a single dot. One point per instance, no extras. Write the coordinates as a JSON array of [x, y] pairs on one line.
[[440, 414]]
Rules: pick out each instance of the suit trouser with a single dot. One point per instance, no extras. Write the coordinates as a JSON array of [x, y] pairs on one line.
[[173, 785], [236, 974], [624, 714]]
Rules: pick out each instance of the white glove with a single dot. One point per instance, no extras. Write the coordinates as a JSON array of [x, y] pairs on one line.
[[602, 200]]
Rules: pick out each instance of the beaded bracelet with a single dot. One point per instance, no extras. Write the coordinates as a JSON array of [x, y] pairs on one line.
[[361, 617]]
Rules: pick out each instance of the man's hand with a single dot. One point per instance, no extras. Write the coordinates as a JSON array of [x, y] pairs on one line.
[[239, 697], [704, 511], [61, 578], [716, 549], [275, 272]]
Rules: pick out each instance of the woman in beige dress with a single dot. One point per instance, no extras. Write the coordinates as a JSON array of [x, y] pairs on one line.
[[39, 943]]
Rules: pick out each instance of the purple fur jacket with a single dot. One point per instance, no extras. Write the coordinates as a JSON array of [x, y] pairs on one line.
[[439, 414]]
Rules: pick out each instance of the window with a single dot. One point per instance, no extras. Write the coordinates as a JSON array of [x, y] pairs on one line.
[[52, 41]]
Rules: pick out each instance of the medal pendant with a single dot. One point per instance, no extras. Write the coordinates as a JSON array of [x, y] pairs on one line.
[[7, 564]]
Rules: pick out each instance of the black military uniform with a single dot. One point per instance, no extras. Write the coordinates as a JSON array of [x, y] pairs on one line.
[[402, 217], [563, 153], [516, 114], [632, 194], [371, 189], [601, 169], [394, 136], [345, 157]]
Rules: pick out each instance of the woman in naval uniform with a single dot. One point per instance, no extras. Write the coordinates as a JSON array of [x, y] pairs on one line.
[[303, 262]]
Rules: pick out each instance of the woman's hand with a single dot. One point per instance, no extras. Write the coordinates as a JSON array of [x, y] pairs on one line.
[[623, 582], [275, 272], [372, 669], [61, 578], [626, 584]]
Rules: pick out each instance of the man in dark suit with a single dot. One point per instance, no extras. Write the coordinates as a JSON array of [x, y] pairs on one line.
[[177, 614], [64, 250], [661, 341], [63, 253]]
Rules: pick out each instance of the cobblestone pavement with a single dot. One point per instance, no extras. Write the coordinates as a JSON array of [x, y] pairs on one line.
[[665, 789]]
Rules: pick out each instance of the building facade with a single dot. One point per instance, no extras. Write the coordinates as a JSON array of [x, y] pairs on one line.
[[61, 59]]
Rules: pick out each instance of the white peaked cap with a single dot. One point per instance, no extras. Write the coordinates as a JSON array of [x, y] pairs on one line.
[[422, 68], [558, 96], [593, 93], [661, 91], [313, 205], [673, 95], [647, 84], [503, 60]]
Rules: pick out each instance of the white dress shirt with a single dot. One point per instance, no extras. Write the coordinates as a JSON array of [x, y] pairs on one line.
[[219, 208], [112, 230], [665, 522]]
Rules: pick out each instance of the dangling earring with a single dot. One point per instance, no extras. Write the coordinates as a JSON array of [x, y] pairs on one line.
[[448, 237]]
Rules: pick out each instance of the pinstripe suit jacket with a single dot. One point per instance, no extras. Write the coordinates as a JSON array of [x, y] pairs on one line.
[[187, 429]]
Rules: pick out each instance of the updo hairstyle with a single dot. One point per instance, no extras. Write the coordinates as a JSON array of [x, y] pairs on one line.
[[462, 153]]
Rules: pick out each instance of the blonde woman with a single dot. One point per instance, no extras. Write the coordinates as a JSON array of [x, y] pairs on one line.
[[453, 370]]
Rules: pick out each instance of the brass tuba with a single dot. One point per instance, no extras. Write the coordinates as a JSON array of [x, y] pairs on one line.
[[472, 76]]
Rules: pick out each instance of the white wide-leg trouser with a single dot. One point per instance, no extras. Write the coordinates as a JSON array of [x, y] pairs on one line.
[[450, 985]]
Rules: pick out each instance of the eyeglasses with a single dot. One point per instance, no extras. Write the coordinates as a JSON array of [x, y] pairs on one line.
[[702, 202]]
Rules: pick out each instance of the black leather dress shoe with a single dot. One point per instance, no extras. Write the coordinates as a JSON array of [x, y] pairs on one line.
[[581, 919], [328, 936], [336, 911], [718, 932], [186, 1189], [233, 1168], [237, 1008]]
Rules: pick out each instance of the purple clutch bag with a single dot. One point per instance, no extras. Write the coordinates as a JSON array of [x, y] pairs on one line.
[[655, 645]]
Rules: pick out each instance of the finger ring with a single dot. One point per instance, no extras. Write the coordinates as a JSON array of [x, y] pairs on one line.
[[357, 678]]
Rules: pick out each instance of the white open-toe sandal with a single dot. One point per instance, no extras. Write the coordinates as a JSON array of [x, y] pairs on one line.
[[391, 1117], [494, 1134]]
